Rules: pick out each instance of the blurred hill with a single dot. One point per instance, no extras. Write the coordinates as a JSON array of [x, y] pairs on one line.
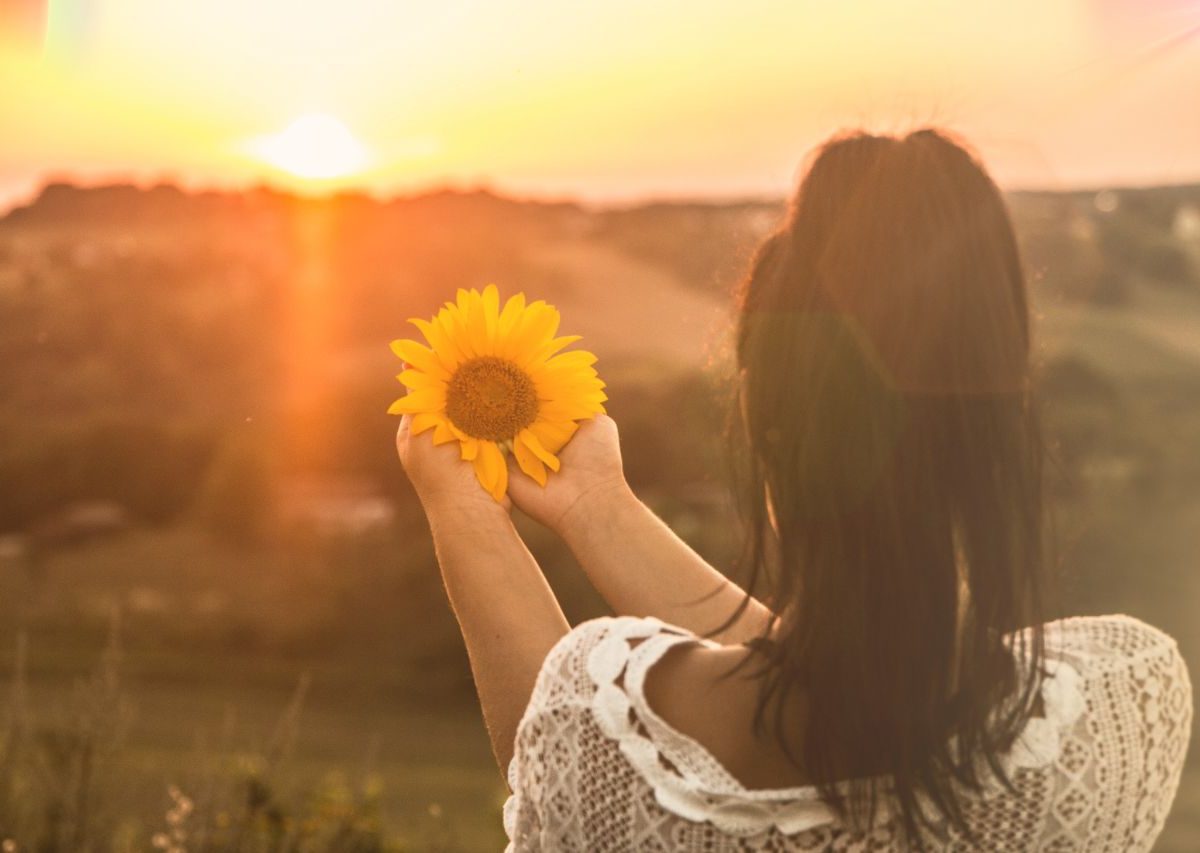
[[146, 325], [143, 328]]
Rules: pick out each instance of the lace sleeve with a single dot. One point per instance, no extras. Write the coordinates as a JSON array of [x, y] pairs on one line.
[[549, 738], [1139, 723]]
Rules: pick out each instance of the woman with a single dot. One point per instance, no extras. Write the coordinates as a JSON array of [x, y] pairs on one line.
[[895, 686]]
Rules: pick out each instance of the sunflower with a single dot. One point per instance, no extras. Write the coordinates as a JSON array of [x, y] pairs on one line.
[[494, 380]]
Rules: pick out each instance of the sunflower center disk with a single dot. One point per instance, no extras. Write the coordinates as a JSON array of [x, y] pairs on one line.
[[491, 398]]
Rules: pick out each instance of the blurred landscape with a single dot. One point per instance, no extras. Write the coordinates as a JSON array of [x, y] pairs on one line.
[[222, 621]]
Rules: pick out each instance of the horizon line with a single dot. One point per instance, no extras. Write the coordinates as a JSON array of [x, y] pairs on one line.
[[17, 199]]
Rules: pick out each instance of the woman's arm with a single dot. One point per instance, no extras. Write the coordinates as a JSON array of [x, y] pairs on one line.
[[634, 560], [642, 568], [509, 617]]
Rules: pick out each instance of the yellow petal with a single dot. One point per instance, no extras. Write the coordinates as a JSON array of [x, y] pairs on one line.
[[481, 473], [565, 381], [563, 370], [578, 358], [554, 387], [536, 329], [514, 310], [529, 462], [531, 441], [553, 434], [501, 481], [451, 321], [491, 315], [594, 399], [417, 380], [545, 322], [554, 346], [442, 434], [567, 410], [429, 399], [488, 464], [431, 336], [441, 344], [469, 449], [568, 387], [476, 324], [456, 337], [425, 400], [423, 421], [584, 394], [420, 357]]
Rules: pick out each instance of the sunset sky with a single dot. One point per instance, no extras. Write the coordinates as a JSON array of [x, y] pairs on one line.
[[605, 100]]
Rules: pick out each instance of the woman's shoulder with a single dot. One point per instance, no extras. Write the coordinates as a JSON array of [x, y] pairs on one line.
[[1099, 644], [593, 653], [578, 643], [631, 627]]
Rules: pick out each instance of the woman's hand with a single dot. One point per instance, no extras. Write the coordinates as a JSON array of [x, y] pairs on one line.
[[442, 479], [637, 564], [591, 471]]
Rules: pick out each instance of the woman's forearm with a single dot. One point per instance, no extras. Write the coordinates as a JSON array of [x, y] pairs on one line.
[[642, 568], [509, 617]]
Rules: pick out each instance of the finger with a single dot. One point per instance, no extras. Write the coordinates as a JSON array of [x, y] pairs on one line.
[[402, 432]]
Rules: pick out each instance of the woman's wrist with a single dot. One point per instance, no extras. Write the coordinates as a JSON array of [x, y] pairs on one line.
[[458, 515], [599, 507]]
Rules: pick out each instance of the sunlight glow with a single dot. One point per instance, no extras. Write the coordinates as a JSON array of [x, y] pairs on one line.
[[614, 100], [313, 146]]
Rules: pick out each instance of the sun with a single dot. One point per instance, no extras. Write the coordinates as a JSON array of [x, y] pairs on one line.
[[314, 146]]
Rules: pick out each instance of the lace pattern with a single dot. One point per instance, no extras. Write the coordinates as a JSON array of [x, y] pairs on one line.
[[596, 768]]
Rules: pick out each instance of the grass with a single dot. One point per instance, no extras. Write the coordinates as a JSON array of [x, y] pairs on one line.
[[238, 767]]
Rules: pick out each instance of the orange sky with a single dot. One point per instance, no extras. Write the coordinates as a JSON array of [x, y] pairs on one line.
[[605, 100]]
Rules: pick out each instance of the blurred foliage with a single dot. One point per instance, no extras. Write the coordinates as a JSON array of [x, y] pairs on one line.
[[61, 775], [239, 496]]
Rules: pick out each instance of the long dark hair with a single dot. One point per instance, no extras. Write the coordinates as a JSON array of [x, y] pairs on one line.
[[890, 462]]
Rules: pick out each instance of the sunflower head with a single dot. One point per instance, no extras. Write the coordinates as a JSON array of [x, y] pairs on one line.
[[494, 380]]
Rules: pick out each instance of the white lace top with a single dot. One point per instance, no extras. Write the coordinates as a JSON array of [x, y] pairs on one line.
[[596, 769]]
